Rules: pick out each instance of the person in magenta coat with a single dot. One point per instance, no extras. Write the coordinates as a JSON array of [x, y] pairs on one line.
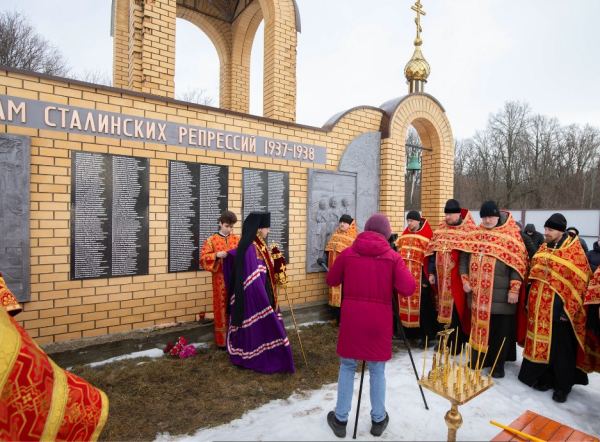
[[371, 272]]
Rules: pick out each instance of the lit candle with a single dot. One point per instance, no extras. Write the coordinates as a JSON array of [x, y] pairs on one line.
[[478, 356], [455, 342], [460, 368], [494, 366], [440, 346], [424, 358]]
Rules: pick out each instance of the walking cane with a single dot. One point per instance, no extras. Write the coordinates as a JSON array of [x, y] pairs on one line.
[[281, 280], [295, 325], [395, 308], [362, 376]]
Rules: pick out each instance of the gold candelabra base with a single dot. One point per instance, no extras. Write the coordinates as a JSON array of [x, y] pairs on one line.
[[454, 420], [456, 381]]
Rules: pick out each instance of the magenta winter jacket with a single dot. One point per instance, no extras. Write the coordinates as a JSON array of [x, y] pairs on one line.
[[370, 271]]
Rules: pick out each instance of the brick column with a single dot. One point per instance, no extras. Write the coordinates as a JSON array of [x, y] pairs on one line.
[[152, 47], [280, 60], [121, 44], [391, 193]]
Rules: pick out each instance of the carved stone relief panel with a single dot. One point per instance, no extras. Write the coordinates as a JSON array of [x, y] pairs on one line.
[[330, 195], [15, 153]]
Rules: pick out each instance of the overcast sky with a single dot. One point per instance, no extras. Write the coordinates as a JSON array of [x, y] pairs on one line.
[[353, 52]]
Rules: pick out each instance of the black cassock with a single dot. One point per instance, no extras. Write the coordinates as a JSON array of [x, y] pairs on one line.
[[561, 372]]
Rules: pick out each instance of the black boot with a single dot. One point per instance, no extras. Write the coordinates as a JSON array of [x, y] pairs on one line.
[[338, 427], [377, 428], [541, 386], [559, 396], [498, 372]]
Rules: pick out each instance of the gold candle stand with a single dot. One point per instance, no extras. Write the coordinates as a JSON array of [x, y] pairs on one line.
[[454, 381]]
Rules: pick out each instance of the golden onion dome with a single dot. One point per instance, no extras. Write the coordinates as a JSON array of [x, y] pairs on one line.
[[417, 68]]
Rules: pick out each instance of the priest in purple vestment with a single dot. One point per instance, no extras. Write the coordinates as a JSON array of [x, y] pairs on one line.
[[256, 335]]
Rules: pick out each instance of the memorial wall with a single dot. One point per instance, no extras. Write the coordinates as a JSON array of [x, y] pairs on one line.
[[124, 187]]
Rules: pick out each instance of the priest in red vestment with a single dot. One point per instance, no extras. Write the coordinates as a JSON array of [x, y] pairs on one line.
[[493, 265], [211, 258], [444, 252], [555, 354], [40, 401], [417, 312], [341, 239]]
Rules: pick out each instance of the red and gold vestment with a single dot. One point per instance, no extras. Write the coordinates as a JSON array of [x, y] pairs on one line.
[[38, 399], [339, 242], [209, 261], [8, 300], [593, 292], [264, 254], [502, 243], [592, 347], [447, 242], [565, 272], [412, 247]]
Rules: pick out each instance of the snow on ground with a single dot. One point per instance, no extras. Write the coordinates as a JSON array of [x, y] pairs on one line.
[[303, 415], [305, 324], [153, 353]]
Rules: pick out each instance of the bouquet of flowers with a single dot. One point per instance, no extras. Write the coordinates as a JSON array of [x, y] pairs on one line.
[[181, 349]]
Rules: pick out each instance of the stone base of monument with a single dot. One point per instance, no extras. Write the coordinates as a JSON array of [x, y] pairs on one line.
[[101, 348]]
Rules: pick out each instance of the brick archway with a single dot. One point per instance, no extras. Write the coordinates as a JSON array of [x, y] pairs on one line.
[[429, 118], [244, 31], [144, 51], [220, 35]]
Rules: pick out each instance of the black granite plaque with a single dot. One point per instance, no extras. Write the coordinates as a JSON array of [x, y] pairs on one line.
[[184, 180], [197, 196], [214, 185], [130, 229], [269, 191], [109, 215]]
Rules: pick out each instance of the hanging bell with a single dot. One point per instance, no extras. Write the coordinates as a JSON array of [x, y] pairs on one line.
[[413, 163]]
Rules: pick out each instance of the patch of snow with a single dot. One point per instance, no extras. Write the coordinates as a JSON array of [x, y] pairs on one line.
[[305, 324], [153, 353], [302, 416]]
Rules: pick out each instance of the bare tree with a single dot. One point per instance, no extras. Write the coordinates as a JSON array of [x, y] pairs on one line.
[[508, 130], [196, 95], [95, 76], [23, 48], [544, 140], [529, 161]]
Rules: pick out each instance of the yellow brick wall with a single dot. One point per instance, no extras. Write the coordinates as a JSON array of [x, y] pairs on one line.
[[61, 309]]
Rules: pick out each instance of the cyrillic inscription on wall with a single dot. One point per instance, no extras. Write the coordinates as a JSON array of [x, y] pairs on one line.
[[198, 193], [269, 191], [15, 153], [110, 196], [25, 112]]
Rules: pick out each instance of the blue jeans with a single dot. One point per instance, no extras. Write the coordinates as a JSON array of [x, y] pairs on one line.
[[346, 389]]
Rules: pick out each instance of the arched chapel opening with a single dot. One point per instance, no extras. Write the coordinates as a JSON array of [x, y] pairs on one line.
[[144, 48]]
